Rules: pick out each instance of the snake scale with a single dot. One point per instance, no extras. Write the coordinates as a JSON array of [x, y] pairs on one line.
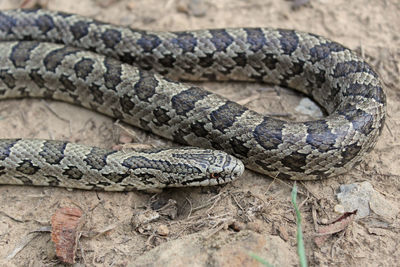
[[89, 63]]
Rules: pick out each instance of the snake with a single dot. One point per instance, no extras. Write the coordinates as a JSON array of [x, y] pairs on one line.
[[136, 76]]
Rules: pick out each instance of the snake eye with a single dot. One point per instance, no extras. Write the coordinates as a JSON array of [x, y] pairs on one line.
[[214, 175]]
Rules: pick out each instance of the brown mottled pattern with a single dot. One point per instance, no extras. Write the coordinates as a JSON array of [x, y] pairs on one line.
[[334, 76]]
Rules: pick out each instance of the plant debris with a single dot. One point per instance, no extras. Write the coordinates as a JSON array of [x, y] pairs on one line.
[[336, 226], [66, 224]]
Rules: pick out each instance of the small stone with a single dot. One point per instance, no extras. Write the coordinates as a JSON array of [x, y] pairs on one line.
[[182, 8], [339, 209], [307, 107], [144, 217], [197, 8], [366, 200], [163, 230], [283, 233], [125, 139], [236, 226], [131, 5], [382, 207], [325, 220], [255, 226]]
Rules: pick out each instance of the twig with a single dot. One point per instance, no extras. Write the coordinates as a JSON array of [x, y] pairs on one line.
[[191, 207], [26, 240], [54, 113]]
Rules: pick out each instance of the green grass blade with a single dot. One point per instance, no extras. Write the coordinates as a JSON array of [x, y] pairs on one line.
[[260, 260], [300, 244]]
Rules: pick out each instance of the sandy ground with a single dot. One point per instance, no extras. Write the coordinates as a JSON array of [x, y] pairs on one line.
[[251, 214]]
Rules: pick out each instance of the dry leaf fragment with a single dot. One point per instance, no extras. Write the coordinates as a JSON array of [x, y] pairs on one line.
[[66, 224], [334, 227]]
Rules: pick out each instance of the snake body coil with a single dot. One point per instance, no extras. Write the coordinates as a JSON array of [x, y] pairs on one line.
[[94, 70]]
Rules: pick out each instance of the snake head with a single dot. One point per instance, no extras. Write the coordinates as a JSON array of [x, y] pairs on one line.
[[179, 167], [208, 167]]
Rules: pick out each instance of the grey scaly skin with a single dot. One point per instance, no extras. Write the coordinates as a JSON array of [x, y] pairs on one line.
[[63, 164], [334, 76]]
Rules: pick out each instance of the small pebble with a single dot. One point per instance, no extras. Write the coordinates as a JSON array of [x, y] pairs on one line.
[[236, 226], [339, 209], [163, 230], [324, 221], [255, 226], [125, 139], [144, 217]]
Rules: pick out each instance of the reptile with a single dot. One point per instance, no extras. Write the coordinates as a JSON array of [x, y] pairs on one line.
[[132, 75]]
